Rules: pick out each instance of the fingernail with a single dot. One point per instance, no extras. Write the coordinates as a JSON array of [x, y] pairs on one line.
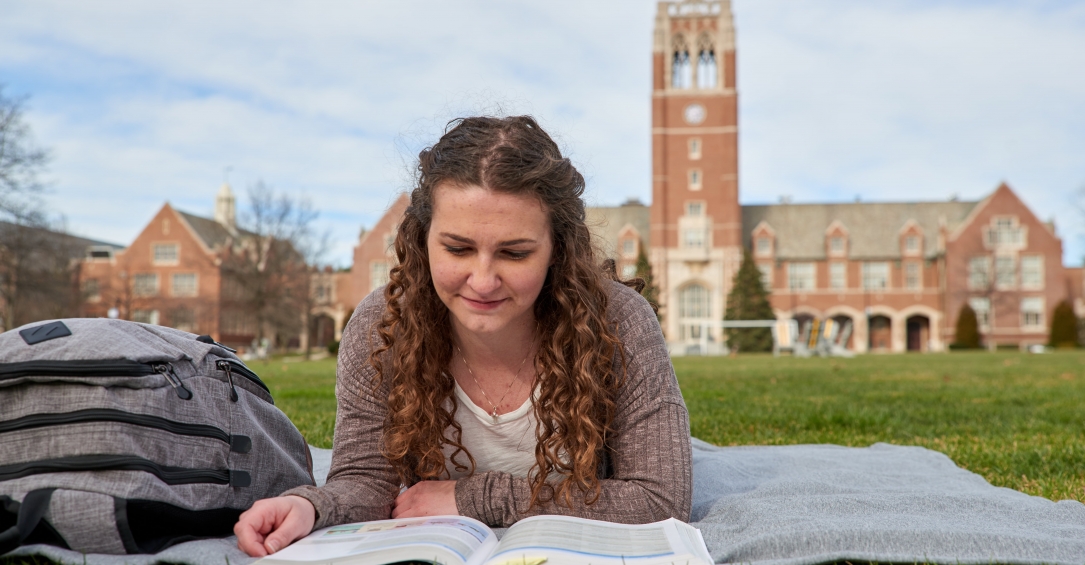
[[272, 546]]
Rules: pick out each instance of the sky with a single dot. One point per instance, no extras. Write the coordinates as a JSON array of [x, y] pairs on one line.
[[148, 102]]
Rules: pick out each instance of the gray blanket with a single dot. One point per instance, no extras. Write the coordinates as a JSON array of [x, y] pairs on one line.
[[807, 504]]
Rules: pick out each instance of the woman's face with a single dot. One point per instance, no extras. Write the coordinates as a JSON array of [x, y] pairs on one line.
[[488, 255]]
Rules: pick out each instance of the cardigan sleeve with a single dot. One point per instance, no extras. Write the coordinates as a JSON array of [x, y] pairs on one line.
[[652, 467], [362, 484]]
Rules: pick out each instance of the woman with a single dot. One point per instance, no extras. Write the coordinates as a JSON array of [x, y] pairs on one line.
[[501, 373]]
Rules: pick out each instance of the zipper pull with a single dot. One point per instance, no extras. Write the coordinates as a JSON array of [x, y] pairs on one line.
[[225, 366], [166, 370]]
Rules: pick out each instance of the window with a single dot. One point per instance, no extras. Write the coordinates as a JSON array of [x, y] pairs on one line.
[[629, 248], [96, 252], [801, 276], [979, 270], [1032, 272], [165, 253], [695, 179], [378, 274], [912, 276], [838, 275], [875, 276], [982, 308], [681, 67], [145, 284], [706, 68], [183, 319], [693, 238], [629, 271], [389, 241], [836, 245], [1032, 313], [695, 209], [766, 275], [92, 290], [145, 316], [763, 246], [693, 306], [184, 284], [1005, 271], [694, 148], [1004, 231], [911, 244]]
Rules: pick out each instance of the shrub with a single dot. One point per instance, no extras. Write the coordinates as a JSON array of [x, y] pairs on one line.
[[968, 334], [749, 300], [333, 347], [1063, 326]]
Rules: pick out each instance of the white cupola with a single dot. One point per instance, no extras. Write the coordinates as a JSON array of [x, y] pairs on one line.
[[226, 207]]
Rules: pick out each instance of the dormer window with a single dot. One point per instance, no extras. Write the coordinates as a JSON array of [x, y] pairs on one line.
[[763, 246], [911, 244], [629, 248]]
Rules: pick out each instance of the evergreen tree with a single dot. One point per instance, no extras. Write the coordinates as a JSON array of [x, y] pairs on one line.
[[968, 335], [644, 272], [1063, 326], [749, 300]]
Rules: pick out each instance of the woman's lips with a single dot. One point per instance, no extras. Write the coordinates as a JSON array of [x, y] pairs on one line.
[[483, 304]]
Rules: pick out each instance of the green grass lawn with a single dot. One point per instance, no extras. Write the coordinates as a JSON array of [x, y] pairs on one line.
[[1016, 419]]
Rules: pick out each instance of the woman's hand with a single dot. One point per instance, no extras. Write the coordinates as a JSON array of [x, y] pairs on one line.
[[274, 523], [427, 498]]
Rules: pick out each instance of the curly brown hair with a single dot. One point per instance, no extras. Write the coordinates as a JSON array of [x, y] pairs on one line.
[[577, 377]]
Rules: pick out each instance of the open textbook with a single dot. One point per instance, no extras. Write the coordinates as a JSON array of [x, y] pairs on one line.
[[458, 540]]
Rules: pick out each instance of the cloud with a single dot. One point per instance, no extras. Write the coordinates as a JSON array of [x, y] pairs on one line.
[[148, 102]]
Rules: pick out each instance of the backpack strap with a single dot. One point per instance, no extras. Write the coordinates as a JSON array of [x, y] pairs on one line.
[[33, 508]]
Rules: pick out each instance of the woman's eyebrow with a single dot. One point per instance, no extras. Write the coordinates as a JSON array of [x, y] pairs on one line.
[[470, 241]]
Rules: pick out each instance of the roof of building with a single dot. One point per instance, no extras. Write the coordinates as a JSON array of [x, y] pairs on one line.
[[606, 222], [873, 228], [77, 245], [212, 233]]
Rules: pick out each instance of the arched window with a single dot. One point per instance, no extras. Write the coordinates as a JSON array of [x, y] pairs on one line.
[[681, 66], [706, 64], [693, 308]]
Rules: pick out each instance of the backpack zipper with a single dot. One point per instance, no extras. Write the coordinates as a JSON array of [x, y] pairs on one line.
[[237, 443], [167, 474], [240, 369], [108, 368], [166, 369]]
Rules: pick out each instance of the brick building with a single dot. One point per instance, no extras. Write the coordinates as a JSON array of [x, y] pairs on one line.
[[898, 273], [171, 274]]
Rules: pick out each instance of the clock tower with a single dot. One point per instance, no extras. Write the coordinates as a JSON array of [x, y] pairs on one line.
[[696, 222]]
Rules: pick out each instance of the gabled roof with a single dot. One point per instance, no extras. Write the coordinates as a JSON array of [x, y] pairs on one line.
[[873, 227], [607, 222]]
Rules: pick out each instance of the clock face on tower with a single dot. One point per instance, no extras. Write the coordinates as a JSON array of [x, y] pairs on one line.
[[694, 114]]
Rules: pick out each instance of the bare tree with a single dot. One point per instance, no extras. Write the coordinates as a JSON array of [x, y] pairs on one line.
[[37, 259], [267, 268], [20, 163]]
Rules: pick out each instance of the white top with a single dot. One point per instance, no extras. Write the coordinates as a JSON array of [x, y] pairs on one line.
[[508, 445]]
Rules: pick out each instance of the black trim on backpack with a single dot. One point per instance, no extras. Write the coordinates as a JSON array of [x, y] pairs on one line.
[[237, 443], [167, 474], [27, 523], [149, 526]]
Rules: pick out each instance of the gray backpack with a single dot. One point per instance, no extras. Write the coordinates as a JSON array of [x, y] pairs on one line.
[[118, 437]]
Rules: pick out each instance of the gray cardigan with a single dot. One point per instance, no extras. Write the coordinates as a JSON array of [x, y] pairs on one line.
[[651, 469]]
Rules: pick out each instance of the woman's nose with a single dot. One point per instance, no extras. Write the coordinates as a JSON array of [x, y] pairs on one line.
[[484, 278]]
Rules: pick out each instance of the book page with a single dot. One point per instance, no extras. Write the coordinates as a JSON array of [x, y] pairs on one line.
[[445, 539], [576, 540]]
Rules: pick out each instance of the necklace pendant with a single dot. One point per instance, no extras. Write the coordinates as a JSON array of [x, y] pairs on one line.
[[494, 415]]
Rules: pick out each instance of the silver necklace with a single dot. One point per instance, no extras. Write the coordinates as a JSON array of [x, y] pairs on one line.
[[493, 413]]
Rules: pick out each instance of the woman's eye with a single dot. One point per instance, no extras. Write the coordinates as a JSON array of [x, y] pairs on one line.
[[456, 250], [517, 254]]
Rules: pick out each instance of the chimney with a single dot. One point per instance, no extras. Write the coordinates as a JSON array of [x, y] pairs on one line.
[[226, 208]]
